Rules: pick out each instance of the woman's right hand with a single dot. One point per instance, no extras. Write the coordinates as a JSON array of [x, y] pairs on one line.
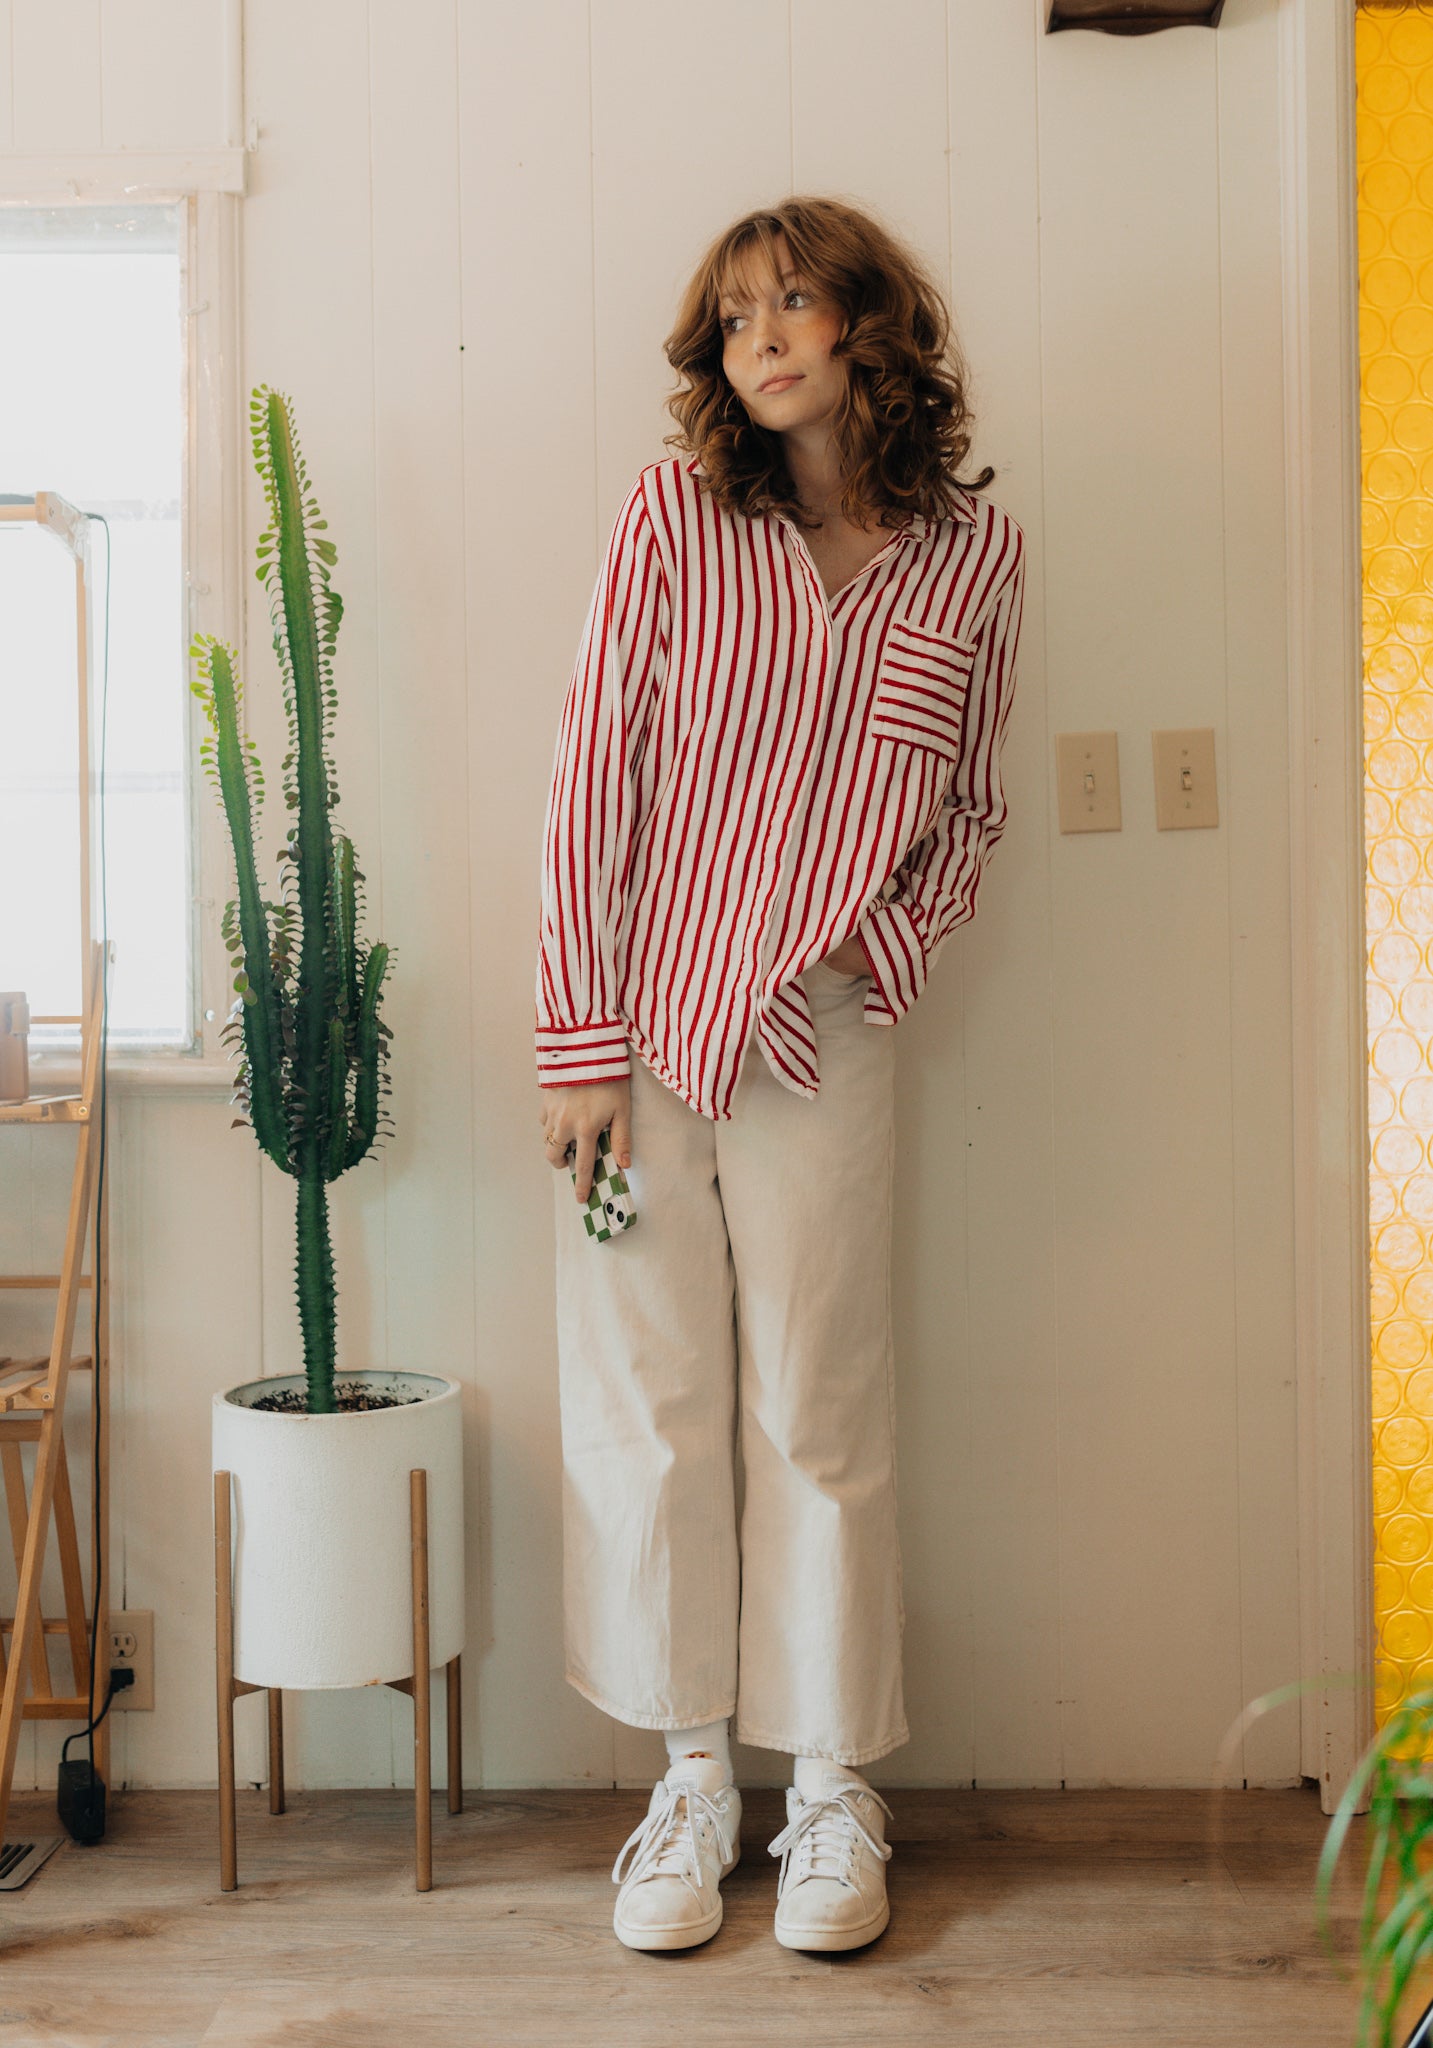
[[579, 1116]]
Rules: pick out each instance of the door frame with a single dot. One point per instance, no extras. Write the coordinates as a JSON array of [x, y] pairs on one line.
[[1323, 485]]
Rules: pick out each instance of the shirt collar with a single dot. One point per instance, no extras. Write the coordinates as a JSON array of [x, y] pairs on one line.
[[921, 529]]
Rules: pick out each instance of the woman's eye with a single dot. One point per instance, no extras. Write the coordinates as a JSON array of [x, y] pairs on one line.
[[728, 323]]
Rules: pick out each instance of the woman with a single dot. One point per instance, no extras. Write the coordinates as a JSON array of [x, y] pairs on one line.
[[775, 787]]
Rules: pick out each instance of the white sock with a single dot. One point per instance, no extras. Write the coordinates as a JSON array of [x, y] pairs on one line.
[[709, 1740], [810, 1770]]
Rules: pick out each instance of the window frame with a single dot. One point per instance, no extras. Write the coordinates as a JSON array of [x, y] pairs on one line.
[[212, 549], [214, 557]]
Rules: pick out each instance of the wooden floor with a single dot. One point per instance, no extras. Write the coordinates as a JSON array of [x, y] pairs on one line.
[[1087, 1919]]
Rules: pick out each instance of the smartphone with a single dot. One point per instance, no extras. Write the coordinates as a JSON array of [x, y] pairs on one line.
[[609, 1206]]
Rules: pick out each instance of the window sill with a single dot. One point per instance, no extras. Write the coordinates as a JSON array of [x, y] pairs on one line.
[[137, 1073]]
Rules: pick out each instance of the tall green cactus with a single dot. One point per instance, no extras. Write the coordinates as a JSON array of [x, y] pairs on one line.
[[311, 1045]]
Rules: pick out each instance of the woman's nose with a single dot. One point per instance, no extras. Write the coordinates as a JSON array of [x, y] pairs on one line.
[[763, 333]]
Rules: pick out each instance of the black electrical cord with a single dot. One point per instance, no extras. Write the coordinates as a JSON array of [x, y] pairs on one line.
[[97, 1276], [87, 1733], [114, 1686]]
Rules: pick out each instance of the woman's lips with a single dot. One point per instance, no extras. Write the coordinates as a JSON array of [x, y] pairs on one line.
[[778, 384]]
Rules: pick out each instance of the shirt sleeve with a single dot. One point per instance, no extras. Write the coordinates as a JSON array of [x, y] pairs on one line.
[[588, 828], [937, 883]]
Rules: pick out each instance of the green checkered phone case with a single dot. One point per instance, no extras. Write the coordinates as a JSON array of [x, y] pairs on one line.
[[609, 1206]]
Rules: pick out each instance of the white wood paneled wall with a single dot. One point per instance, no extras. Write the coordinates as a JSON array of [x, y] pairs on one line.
[[465, 232], [91, 75]]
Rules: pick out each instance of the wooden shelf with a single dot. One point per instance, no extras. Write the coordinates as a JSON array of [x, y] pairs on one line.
[[32, 1390], [46, 1109], [24, 1389]]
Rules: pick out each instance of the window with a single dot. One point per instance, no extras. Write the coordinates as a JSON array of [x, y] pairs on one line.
[[93, 363]]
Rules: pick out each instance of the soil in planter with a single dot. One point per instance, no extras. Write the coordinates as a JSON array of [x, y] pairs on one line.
[[350, 1398]]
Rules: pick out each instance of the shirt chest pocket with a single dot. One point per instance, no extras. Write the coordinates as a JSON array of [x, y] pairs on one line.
[[921, 687]]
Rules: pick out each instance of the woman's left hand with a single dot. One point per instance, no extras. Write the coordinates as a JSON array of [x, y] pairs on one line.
[[848, 958]]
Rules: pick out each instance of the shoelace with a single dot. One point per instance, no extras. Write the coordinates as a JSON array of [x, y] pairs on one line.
[[666, 1838], [820, 1835]]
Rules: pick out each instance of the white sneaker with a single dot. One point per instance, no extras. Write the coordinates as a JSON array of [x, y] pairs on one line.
[[831, 1892], [690, 1839]]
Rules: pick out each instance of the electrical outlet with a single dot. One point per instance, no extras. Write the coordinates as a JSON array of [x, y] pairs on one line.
[[131, 1642]]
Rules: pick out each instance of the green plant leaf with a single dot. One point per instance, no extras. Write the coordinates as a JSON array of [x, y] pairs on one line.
[[305, 1026]]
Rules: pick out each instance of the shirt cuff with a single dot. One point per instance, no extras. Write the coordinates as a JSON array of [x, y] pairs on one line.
[[891, 941], [578, 1055]]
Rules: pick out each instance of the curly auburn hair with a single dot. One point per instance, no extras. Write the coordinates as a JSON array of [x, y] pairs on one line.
[[902, 427]]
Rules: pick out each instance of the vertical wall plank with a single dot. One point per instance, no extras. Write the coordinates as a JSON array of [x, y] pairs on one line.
[[529, 426], [868, 115], [1257, 811], [128, 1267], [657, 201], [7, 78], [55, 47], [192, 1210], [162, 73], [870, 125], [988, 1710], [421, 571], [308, 330], [1144, 1141], [656, 204]]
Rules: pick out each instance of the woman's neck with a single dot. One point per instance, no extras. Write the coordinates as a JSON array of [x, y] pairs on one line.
[[815, 471]]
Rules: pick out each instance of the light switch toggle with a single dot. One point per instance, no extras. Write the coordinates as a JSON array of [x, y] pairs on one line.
[[1185, 793], [1087, 774]]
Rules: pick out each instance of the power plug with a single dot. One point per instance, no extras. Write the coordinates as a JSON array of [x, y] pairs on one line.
[[81, 1796], [81, 1800]]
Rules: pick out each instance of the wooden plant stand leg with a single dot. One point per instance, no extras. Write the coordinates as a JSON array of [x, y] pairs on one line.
[[455, 1735], [422, 1702], [276, 1750], [418, 1687], [224, 1680], [229, 1688]]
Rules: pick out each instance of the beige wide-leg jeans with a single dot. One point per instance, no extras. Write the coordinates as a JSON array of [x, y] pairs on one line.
[[727, 1393]]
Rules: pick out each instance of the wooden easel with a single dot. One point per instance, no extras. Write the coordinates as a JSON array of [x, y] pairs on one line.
[[32, 1410], [32, 1390], [231, 1688]]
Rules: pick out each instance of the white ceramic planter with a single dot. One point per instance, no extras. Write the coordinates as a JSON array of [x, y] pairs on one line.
[[323, 1532]]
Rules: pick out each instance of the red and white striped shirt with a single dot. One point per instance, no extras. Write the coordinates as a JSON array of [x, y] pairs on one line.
[[748, 773]]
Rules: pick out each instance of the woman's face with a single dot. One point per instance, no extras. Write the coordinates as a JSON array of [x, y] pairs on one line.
[[771, 330]]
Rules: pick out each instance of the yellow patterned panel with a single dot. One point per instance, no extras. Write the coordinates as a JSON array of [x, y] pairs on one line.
[[1395, 263]]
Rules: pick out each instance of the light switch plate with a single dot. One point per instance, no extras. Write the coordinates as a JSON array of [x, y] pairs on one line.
[[1087, 776], [1185, 794]]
